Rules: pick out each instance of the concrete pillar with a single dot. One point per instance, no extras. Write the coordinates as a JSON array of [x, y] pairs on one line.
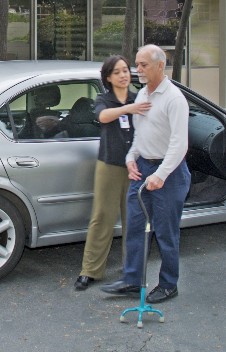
[[140, 23], [222, 53], [33, 26]]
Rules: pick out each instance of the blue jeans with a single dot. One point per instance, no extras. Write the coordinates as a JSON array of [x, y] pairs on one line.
[[164, 207]]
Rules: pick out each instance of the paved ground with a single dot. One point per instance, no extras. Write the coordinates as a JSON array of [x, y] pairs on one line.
[[41, 312]]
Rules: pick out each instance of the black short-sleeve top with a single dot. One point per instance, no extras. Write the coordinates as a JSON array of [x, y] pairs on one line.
[[116, 137]]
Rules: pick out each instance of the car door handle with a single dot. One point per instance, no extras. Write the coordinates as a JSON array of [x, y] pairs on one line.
[[27, 163], [23, 162]]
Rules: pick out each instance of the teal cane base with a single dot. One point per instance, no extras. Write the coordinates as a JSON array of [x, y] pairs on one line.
[[142, 309]]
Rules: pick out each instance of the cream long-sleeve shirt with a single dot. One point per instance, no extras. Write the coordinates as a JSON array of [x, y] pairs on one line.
[[163, 132]]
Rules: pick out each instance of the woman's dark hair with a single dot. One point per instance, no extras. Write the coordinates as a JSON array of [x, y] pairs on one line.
[[108, 68]]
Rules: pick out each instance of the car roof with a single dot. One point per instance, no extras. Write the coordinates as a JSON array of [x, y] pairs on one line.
[[14, 72], [31, 67]]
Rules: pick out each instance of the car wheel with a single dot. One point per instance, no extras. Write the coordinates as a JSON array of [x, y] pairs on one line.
[[12, 236]]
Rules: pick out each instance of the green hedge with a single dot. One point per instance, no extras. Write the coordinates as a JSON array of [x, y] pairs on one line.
[[161, 34], [61, 37], [114, 3], [113, 11], [108, 39], [15, 17]]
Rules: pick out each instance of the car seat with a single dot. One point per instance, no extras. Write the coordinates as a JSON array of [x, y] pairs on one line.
[[81, 120], [44, 99]]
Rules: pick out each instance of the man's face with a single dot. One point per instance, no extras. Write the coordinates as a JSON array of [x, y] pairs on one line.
[[147, 69]]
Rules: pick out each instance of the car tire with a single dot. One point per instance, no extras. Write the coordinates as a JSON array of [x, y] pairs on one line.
[[12, 236]]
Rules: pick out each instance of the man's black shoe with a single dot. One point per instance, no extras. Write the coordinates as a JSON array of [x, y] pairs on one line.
[[83, 282], [159, 294], [122, 289]]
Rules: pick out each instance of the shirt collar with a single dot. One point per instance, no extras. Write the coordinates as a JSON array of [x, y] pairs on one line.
[[161, 87]]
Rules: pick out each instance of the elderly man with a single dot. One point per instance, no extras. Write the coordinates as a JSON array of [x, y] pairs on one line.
[[156, 156]]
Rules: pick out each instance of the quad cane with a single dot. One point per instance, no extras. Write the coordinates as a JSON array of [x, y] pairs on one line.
[[143, 308]]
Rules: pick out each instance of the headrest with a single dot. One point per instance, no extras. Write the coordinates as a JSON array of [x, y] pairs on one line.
[[48, 96]]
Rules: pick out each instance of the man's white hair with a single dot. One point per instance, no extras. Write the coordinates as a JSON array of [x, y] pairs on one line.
[[156, 53]]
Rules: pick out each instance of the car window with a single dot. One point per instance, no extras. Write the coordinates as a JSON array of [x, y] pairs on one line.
[[135, 85], [196, 109], [53, 111]]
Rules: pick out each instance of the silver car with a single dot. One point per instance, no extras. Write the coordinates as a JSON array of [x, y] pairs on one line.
[[49, 141]]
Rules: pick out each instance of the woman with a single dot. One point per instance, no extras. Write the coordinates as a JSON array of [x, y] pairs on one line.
[[114, 111]]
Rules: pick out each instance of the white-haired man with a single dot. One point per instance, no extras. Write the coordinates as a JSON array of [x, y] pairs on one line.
[[156, 156]]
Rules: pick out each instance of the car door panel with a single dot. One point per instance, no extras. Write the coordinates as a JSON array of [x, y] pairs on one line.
[[45, 155], [63, 188]]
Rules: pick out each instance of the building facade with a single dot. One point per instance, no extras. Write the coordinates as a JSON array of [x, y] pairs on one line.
[[94, 29]]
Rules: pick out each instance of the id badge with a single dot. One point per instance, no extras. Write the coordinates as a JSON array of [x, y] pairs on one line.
[[124, 121]]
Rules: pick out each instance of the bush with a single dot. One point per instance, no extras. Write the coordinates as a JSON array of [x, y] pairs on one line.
[[62, 37], [108, 39], [114, 11], [161, 34], [115, 3], [17, 17], [114, 8]]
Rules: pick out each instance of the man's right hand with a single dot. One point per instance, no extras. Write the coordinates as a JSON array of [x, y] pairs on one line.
[[133, 172]]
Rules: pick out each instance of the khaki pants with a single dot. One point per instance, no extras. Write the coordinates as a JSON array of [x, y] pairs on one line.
[[110, 190]]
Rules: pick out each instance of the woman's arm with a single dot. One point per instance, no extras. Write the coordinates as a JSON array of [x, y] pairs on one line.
[[111, 114]]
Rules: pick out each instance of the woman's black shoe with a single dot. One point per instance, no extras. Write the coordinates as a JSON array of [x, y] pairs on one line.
[[83, 282]]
